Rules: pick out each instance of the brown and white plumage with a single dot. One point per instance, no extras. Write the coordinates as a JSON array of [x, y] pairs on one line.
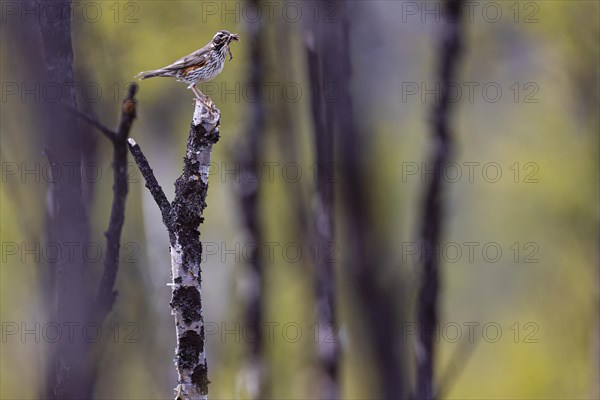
[[200, 66]]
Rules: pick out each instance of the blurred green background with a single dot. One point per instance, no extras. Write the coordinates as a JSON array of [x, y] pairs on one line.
[[545, 144]]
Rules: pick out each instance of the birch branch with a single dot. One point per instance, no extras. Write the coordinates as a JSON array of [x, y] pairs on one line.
[[182, 219]]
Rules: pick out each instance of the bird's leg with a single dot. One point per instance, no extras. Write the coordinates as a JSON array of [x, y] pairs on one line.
[[197, 92], [203, 98]]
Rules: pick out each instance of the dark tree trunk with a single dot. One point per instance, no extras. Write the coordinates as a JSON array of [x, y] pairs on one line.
[[248, 188], [362, 257], [433, 209], [328, 352], [70, 372]]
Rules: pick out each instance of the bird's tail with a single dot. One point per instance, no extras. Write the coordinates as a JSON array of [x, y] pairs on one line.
[[150, 74]]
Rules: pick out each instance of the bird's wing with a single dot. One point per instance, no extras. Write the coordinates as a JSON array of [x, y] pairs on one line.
[[197, 58]]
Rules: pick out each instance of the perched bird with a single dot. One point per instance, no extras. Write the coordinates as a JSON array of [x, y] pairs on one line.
[[200, 66]]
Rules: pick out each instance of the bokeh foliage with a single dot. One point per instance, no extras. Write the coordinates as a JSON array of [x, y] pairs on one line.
[[559, 213]]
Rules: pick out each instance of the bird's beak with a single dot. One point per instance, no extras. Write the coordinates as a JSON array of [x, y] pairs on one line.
[[235, 37]]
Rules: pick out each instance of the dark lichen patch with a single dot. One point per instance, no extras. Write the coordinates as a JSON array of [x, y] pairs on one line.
[[200, 378], [190, 347], [213, 137], [190, 201], [186, 300], [178, 280], [202, 338], [192, 251]]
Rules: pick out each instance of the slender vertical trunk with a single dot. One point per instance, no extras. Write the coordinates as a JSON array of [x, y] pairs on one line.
[[328, 352], [362, 257], [433, 209], [249, 157], [70, 372], [182, 218]]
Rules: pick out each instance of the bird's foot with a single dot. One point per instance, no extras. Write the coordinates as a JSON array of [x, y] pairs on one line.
[[205, 100]]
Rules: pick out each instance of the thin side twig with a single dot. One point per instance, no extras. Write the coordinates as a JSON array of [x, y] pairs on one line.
[[109, 133], [151, 183], [106, 293]]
